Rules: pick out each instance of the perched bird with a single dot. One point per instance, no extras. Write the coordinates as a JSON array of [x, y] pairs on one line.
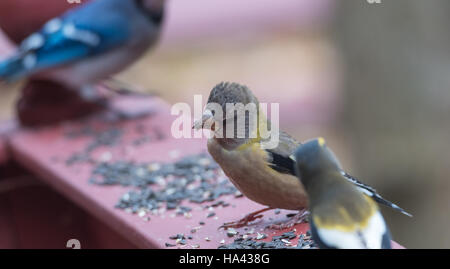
[[341, 216], [88, 43], [266, 176]]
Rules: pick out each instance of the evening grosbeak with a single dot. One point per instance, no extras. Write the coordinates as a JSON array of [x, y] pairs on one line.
[[341, 216], [265, 175]]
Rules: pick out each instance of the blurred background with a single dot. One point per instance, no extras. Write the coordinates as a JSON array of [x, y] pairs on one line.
[[373, 79]]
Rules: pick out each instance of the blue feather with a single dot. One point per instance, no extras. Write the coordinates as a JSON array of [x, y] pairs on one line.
[[10, 69]]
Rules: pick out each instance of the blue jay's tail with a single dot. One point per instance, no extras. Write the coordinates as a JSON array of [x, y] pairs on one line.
[[12, 68]]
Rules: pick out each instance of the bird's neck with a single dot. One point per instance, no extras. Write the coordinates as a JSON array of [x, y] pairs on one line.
[[322, 183], [250, 136], [313, 181]]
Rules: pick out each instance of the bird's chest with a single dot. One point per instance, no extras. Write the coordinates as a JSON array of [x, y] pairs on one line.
[[248, 170], [242, 166]]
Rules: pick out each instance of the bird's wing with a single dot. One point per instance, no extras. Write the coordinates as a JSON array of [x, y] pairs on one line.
[[280, 158], [371, 192], [80, 33]]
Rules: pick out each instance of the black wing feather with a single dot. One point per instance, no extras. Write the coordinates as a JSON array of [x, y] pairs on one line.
[[281, 163], [373, 193]]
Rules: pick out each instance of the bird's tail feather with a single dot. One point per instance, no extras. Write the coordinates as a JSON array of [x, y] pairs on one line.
[[373, 193], [387, 203]]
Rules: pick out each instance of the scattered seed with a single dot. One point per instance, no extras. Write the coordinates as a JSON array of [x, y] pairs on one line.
[[278, 242], [106, 156], [261, 236], [231, 232], [176, 180], [142, 213], [176, 237]]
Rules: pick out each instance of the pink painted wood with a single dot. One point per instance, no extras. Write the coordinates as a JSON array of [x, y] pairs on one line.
[[44, 152]]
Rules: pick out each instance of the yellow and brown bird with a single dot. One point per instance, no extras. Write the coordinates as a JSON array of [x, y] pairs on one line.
[[341, 216], [264, 175]]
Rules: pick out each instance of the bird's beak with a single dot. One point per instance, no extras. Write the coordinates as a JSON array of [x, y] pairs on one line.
[[207, 117]]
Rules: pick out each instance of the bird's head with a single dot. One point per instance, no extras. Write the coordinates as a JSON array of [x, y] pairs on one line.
[[154, 9], [223, 102], [314, 157]]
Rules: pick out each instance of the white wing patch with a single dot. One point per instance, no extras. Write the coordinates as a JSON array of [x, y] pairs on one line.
[[33, 42], [371, 237], [84, 36], [52, 26], [366, 191], [29, 61]]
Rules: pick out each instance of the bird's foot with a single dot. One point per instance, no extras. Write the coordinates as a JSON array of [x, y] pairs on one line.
[[300, 217], [246, 220]]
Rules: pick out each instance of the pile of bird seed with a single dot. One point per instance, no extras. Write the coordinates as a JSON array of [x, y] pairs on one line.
[[278, 242], [195, 178], [109, 137]]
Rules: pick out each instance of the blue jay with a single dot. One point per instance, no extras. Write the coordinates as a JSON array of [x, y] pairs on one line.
[[87, 43]]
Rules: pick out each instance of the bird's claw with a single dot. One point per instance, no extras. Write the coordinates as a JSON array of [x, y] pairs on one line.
[[240, 223], [300, 217]]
